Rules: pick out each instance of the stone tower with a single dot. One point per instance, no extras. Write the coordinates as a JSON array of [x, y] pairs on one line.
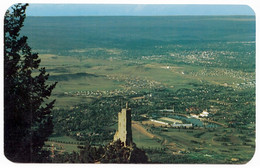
[[124, 132]]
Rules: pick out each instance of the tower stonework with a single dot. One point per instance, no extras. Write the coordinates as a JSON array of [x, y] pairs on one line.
[[124, 132]]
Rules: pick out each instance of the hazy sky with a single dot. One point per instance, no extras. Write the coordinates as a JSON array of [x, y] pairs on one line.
[[135, 10]]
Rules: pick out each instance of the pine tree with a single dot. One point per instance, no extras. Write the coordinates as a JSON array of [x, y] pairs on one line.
[[27, 118]]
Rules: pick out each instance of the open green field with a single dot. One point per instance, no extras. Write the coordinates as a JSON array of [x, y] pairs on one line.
[[222, 145], [64, 144], [144, 141], [103, 75]]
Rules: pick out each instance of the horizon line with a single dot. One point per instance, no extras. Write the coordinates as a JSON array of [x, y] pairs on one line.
[[138, 15], [137, 10]]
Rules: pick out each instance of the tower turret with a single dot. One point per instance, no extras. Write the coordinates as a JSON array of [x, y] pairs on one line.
[[124, 132]]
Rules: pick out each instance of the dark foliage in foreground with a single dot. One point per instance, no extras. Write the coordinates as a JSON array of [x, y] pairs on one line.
[[27, 119], [114, 152]]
